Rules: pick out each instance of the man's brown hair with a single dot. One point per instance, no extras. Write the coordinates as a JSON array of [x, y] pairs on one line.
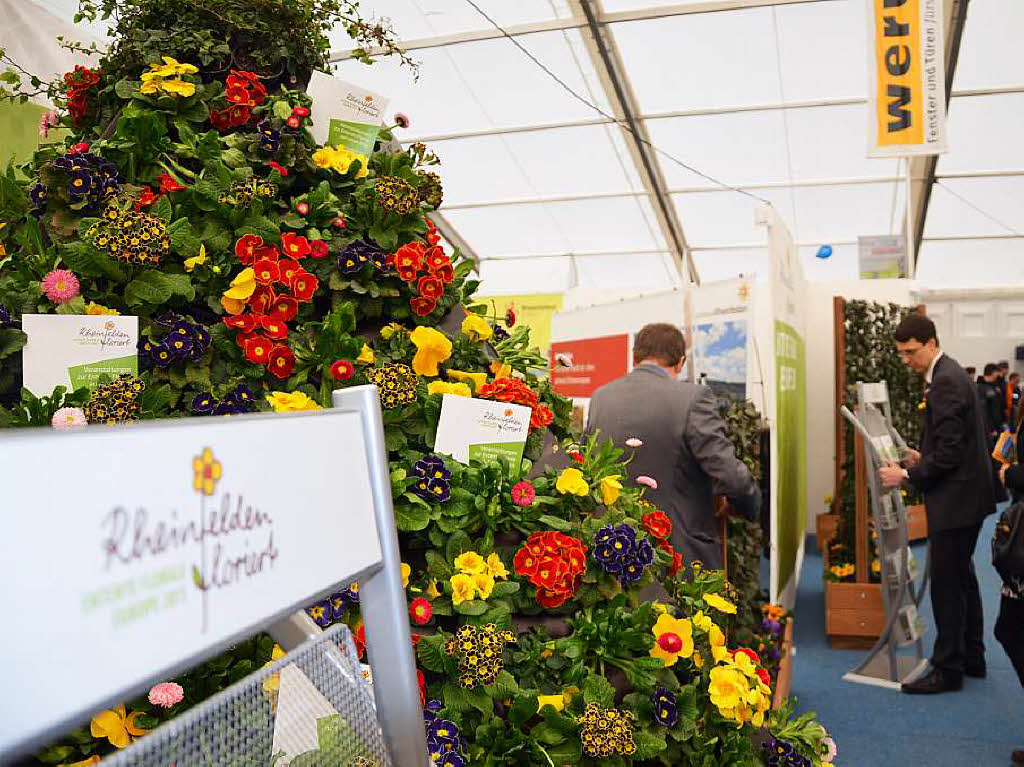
[[659, 341]]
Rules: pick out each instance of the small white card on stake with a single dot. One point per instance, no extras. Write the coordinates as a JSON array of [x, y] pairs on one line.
[[74, 350], [344, 114], [476, 429]]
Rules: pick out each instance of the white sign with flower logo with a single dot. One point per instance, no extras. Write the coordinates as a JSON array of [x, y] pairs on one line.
[[161, 543], [74, 350], [478, 429]]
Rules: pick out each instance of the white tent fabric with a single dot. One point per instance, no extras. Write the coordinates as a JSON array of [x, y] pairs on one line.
[[29, 31], [767, 96]]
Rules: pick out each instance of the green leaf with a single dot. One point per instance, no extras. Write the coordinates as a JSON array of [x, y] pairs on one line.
[[11, 340], [505, 589], [412, 518], [260, 225], [282, 109], [55, 754], [75, 306], [598, 690], [569, 752], [555, 523], [472, 607], [150, 287], [504, 686], [647, 746], [183, 239], [431, 653], [456, 698], [523, 708], [161, 208], [457, 544], [180, 285]]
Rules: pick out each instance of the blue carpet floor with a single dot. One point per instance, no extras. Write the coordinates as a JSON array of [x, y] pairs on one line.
[[876, 727]]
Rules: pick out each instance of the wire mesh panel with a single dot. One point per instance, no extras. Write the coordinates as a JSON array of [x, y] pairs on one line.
[[312, 708]]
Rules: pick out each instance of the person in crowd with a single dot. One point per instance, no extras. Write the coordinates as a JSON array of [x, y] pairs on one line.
[[1014, 381], [1010, 623], [954, 472], [685, 450], [991, 392], [1004, 388], [971, 372]]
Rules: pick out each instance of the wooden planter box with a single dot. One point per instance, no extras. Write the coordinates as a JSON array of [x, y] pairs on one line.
[[917, 523], [785, 678], [827, 527], [854, 613]]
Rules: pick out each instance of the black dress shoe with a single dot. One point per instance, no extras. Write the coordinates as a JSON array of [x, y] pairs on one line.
[[977, 670], [934, 682]]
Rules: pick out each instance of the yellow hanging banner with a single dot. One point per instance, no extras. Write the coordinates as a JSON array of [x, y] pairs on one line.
[[907, 108], [534, 310]]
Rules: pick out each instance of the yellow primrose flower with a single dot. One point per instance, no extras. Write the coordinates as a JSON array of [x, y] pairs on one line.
[[476, 327], [116, 726], [283, 402], [703, 622], [698, 660], [557, 702], [477, 380], [673, 639], [322, 157], [501, 370], [97, 310], [741, 661], [470, 563], [238, 293], [571, 482], [440, 387], [366, 355], [484, 584], [390, 329], [727, 688], [610, 489], [720, 604], [432, 591], [463, 588], [659, 608], [92, 759], [169, 68], [432, 348], [192, 263], [496, 568], [719, 652], [343, 158], [178, 87], [406, 572]]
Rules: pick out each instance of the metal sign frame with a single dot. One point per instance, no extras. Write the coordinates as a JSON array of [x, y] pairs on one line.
[[383, 600], [884, 666]]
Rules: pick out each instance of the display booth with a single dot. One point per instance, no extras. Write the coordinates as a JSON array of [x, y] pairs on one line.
[[179, 538]]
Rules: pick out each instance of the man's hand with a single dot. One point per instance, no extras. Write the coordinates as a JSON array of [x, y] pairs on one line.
[[911, 458], [1002, 473], [891, 475]]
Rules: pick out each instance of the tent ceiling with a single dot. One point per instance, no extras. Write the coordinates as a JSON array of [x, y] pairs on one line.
[[767, 95]]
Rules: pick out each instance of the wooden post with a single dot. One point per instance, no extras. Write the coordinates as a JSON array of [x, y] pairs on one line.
[[839, 331], [862, 545]]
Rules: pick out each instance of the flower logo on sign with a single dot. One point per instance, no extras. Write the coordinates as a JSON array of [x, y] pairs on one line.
[[207, 472], [508, 411], [109, 325]]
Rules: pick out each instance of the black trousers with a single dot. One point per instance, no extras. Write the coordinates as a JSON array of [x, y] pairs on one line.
[[1010, 632], [956, 600]]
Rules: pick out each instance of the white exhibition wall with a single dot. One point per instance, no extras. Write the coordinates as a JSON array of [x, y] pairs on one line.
[[978, 327]]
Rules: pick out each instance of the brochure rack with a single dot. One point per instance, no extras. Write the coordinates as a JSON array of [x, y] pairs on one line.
[[120, 548], [884, 666]]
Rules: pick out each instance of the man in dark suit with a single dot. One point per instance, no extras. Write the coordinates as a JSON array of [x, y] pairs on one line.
[[954, 471], [685, 449]]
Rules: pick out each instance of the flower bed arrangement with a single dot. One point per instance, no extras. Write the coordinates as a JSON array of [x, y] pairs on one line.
[[266, 272]]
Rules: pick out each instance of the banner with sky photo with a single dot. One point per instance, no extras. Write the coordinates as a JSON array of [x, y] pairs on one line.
[[720, 355]]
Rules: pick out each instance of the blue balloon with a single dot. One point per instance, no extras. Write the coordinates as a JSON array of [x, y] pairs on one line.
[[824, 251]]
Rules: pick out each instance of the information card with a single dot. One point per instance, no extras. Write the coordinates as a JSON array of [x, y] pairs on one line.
[[74, 350], [476, 429], [344, 115]]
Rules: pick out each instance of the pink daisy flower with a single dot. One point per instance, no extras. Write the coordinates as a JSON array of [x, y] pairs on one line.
[[634, 442], [402, 119], [60, 286], [166, 694], [68, 418], [523, 493], [650, 482]]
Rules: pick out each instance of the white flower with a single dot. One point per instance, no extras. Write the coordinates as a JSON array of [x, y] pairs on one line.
[[68, 418]]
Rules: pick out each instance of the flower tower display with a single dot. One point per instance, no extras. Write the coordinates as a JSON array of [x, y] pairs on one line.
[[267, 271]]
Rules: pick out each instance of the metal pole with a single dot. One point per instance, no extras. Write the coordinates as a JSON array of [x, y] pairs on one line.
[[385, 612]]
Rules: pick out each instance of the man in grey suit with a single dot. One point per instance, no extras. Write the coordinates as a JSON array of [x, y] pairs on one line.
[[685, 449]]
